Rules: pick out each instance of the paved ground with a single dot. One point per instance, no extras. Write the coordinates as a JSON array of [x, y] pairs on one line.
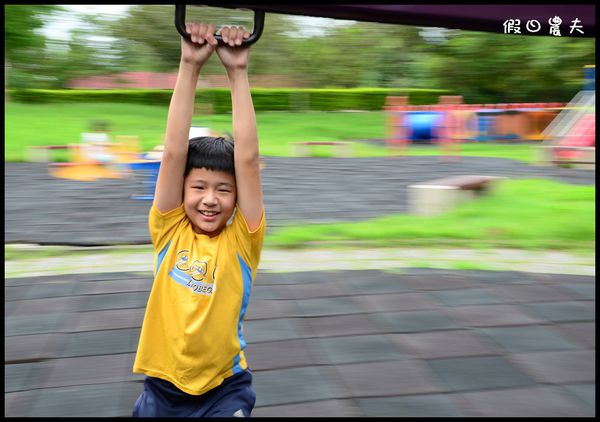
[[42, 209], [417, 342], [400, 342]]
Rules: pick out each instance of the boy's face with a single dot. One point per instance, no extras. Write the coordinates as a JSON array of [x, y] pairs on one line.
[[209, 199]]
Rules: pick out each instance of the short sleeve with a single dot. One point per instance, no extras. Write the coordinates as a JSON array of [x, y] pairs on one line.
[[249, 242], [163, 225]]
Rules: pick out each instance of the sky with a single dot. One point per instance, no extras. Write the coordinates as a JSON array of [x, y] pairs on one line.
[[59, 29]]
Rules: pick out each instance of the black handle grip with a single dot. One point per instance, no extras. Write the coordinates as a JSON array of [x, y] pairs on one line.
[[259, 23]]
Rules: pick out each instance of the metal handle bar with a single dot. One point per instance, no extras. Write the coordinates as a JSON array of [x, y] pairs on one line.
[[259, 22]]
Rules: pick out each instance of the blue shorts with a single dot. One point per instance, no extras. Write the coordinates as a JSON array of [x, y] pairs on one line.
[[234, 397]]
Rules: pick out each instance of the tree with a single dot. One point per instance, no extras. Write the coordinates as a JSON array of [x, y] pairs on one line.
[[153, 27], [483, 67], [486, 67], [20, 24], [22, 44]]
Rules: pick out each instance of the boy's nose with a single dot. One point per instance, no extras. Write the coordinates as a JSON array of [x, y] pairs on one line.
[[209, 198]]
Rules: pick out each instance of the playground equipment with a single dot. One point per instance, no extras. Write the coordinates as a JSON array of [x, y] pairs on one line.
[[423, 125], [571, 136], [582, 136], [145, 168], [471, 122], [146, 171], [93, 158], [477, 17], [259, 22]]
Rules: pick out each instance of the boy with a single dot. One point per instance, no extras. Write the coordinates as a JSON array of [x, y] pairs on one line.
[[191, 345]]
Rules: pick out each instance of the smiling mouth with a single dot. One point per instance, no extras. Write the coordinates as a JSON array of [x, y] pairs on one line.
[[209, 213]]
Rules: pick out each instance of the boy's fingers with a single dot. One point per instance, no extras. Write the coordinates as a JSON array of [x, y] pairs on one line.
[[201, 34], [210, 35], [239, 36], [191, 29], [230, 35], [225, 34], [194, 30], [242, 33], [233, 36]]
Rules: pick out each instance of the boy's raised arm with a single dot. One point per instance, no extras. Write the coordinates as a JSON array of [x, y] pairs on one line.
[[246, 154], [169, 185]]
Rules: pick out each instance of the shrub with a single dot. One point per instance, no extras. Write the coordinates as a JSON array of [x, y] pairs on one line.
[[265, 99]]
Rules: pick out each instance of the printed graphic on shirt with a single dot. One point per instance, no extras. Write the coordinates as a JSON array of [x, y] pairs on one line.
[[194, 273]]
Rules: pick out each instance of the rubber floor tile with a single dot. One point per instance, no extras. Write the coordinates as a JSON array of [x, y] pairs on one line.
[[479, 373], [391, 378], [561, 367], [321, 408], [354, 349], [293, 385], [426, 405], [535, 401], [527, 339]]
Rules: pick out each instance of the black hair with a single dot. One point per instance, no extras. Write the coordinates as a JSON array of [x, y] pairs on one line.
[[212, 153]]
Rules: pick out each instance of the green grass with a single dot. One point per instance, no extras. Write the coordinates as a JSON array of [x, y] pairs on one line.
[[526, 214], [523, 214], [62, 124], [468, 265]]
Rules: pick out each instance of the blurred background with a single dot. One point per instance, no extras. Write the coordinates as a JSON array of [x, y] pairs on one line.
[[360, 89], [49, 46], [481, 302]]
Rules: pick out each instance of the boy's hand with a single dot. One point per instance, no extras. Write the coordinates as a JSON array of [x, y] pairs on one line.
[[232, 56], [202, 46]]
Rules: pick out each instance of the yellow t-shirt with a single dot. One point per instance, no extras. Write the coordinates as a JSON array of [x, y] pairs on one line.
[[192, 330]]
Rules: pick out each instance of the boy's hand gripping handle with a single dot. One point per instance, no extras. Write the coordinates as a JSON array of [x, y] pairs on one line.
[[259, 21]]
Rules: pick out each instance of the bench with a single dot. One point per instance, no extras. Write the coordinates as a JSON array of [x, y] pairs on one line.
[[304, 149], [440, 195]]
